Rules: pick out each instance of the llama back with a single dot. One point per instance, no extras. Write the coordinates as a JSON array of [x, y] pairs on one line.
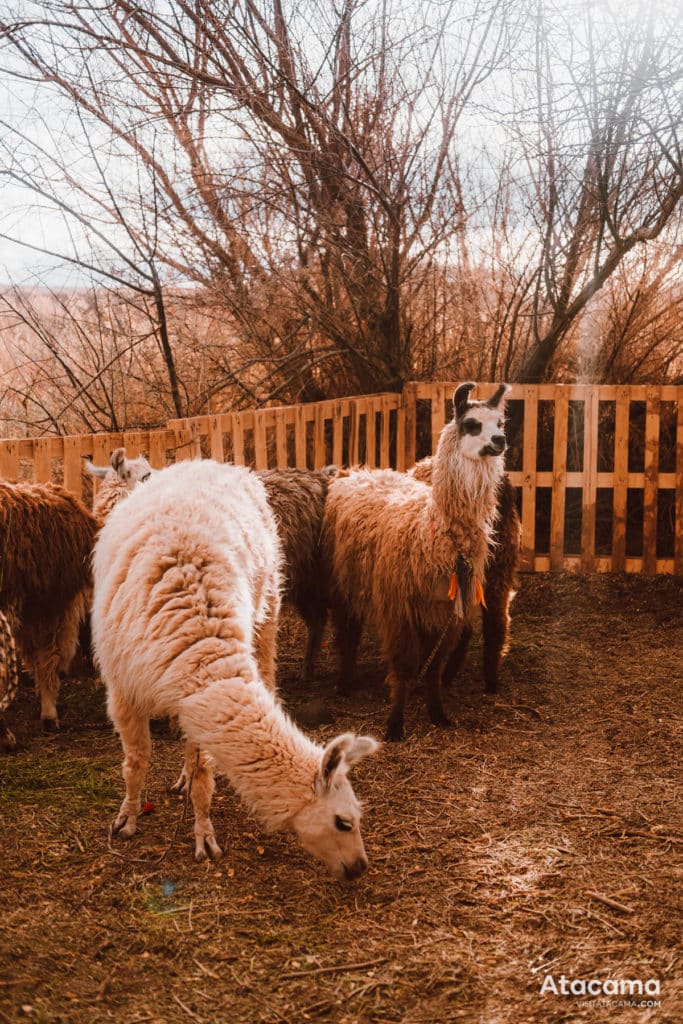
[[47, 536], [381, 525], [186, 571]]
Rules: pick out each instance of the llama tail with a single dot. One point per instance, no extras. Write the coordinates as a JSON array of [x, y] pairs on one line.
[[9, 675]]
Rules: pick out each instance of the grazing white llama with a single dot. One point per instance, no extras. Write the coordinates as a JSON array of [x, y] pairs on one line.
[[118, 480], [410, 558], [184, 623]]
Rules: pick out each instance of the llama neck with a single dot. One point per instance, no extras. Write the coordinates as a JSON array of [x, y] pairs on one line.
[[270, 763], [465, 492]]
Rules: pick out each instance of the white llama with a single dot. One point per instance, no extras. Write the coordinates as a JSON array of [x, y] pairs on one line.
[[184, 623]]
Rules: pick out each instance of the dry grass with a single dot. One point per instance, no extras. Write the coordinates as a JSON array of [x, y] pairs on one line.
[[541, 831]]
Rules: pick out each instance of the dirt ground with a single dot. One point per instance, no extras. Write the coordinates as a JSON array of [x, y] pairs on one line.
[[537, 838]]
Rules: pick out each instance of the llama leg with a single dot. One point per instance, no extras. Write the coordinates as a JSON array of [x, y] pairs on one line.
[[200, 785], [133, 728], [46, 678], [348, 633], [433, 695], [315, 618], [69, 628], [397, 682], [496, 628], [457, 658]]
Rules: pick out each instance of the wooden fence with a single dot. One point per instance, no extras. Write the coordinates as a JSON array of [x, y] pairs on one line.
[[599, 469]]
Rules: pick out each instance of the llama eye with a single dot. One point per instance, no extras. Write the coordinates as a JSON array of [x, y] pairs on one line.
[[471, 426], [341, 825], [145, 477]]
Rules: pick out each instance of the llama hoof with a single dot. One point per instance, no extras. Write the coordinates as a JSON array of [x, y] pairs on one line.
[[444, 722], [394, 733], [491, 688], [207, 847], [49, 725], [124, 826], [180, 784]]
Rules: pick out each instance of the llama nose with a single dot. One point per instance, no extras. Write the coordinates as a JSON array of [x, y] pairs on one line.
[[356, 869], [498, 442]]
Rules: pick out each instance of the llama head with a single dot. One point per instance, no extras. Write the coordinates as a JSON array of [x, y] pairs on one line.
[[480, 425], [130, 471], [328, 827]]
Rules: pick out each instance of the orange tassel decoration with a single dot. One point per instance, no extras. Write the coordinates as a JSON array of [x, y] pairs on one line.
[[453, 589], [480, 594]]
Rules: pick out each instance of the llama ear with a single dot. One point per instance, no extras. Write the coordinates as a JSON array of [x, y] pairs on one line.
[[98, 471], [460, 397], [494, 401], [342, 752], [118, 459]]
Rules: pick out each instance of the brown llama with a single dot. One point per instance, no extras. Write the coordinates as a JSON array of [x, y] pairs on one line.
[[410, 558], [46, 540], [499, 589], [297, 499]]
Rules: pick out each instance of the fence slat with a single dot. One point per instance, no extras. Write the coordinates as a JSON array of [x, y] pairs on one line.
[[438, 414], [678, 527], [42, 460], [557, 511], [590, 470], [409, 427], [300, 438], [385, 433], [620, 488], [370, 434], [260, 441], [237, 439], [9, 461], [281, 439], [216, 439], [337, 434], [157, 449], [401, 438], [354, 433], [529, 478], [73, 466], [652, 417], [319, 448]]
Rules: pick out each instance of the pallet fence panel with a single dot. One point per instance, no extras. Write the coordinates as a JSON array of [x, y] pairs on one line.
[[336, 433], [620, 479], [529, 456], [650, 485], [590, 471], [558, 501]]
